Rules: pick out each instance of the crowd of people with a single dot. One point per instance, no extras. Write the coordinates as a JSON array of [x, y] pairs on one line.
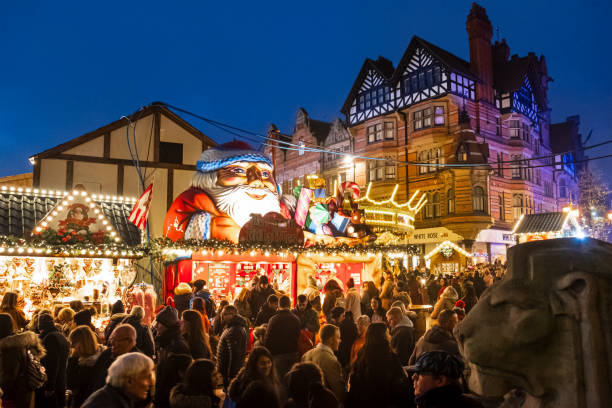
[[336, 346]]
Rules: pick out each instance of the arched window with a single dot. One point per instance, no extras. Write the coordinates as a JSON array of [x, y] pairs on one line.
[[450, 199], [462, 153], [478, 199], [436, 204]]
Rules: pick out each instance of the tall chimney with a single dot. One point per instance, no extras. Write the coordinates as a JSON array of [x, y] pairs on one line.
[[480, 31]]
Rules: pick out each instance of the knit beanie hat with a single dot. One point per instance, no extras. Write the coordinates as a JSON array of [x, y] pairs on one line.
[[117, 307], [83, 318], [236, 151], [45, 322], [168, 317]]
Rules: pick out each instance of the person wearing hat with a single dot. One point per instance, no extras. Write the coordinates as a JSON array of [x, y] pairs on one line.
[[436, 377], [117, 316], [232, 182], [168, 341], [53, 393]]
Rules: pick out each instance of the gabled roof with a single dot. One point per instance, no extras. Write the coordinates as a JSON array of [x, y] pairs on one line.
[[444, 57], [319, 129], [542, 222], [382, 65], [141, 113], [21, 211], [510, 76]]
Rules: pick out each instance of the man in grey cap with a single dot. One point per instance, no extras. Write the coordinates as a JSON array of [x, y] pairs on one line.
[[436, 376]]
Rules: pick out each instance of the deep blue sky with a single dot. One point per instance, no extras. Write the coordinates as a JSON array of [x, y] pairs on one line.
[[71, 67]]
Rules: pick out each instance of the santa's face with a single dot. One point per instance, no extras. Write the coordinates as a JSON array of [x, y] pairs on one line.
[[256, 175], [241, 189]]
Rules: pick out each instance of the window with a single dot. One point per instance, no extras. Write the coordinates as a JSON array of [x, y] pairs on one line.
[[301, 148], [374, 97], [429, 206], [462, 154], [548, 189], [450, 198], [562, 188], [498, 131], [436, 204], [439, 115], [514, 128], [375, 133], [462, 86], [478, 199], [516, 166], [517, 206], [420, 80], [432, 156], [500, 165], [171, 152], [538, 177], [389, 131], [380, 170], [427, 117], [502, 209]]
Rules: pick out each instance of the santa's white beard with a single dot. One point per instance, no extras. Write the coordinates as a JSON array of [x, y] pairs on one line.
[[234, 201]]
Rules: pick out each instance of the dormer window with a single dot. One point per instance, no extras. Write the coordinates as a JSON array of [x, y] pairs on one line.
[[462, 154]]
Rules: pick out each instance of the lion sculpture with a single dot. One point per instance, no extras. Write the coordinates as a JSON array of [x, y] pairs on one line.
[[546, 328]]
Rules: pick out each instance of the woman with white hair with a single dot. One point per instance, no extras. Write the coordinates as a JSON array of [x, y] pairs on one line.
[[129, 380]]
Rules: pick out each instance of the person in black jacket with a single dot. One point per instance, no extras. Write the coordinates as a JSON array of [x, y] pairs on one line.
[[267, 310], [436, 376], [260, 295], [144, 337], [231, 350], [87, 365], [168, 341], [53, 393], [402, 334], [348, 335], [182, 297], [309, 318], [377, 378], [259, 367], [282, 337]]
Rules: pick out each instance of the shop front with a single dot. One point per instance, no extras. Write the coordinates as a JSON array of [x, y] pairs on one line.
[[491, 245]]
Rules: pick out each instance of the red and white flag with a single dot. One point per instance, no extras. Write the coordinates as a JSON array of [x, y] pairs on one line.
[[140, 212]]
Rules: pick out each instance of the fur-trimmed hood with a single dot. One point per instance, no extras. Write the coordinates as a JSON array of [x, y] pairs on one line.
[[27, 339]]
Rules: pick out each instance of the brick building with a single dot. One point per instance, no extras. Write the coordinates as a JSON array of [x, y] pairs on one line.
[[477, 124]]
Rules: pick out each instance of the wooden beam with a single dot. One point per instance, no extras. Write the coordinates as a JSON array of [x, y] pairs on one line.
[[125, 162], [170, 189], [107, 144], [36, 173], [156, 135], [69, 174], [120, 178]]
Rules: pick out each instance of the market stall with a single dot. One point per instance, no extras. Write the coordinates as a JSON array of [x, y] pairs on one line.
[[447, 258], [538, 227], [73, 253]]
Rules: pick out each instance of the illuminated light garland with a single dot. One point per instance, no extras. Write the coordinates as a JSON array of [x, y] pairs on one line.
[[391, 200], [64, 194], [447, 244]]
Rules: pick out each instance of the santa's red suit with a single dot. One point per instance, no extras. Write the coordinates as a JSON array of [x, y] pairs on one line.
[[217, 225]]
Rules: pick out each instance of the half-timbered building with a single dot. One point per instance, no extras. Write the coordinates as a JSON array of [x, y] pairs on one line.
[[471, 134], [153, 145]]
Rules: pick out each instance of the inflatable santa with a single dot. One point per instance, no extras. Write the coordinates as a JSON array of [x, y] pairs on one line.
[[232, 182]]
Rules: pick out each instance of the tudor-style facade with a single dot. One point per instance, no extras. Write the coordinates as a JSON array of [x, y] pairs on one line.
[[477, 124], [104, 160]]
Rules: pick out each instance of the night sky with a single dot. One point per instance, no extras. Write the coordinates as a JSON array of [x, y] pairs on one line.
[[71, 67]]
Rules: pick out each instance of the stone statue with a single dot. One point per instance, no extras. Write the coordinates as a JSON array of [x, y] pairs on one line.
[[546, 328]]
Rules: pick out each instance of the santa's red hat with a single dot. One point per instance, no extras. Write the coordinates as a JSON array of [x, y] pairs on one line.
[[235, 151]]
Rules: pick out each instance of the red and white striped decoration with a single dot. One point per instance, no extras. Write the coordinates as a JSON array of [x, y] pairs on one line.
[[140, 212]]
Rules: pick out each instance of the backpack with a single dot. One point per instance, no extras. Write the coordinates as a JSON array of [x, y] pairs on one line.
[[34, 373]]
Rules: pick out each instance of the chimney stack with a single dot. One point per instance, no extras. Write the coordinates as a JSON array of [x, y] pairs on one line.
[[501, 53], [480, 31]]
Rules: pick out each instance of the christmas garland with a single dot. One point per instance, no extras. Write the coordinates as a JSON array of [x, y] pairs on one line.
[[164, 249]]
